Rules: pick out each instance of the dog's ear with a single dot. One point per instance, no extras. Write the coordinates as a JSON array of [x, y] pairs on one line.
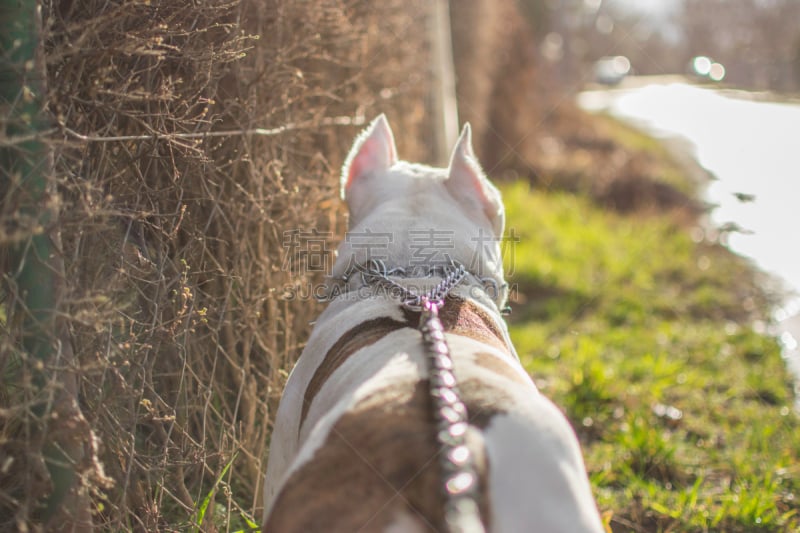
[[468, 184], [373, 152]]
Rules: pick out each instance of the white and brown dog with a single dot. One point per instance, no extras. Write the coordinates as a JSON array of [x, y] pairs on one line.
[[354, 447]]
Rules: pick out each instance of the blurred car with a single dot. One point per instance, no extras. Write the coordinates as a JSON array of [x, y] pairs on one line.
[[611, 70], [706, 68]]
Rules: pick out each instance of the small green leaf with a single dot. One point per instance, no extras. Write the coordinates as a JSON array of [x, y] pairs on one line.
[[201, 511]]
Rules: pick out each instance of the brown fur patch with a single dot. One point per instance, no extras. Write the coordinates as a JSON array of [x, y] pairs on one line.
[[364, 334], [484, 402], [498, 366], [468, 319], [380, 459]]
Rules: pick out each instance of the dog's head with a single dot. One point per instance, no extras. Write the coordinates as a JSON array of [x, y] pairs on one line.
[[408, 214]]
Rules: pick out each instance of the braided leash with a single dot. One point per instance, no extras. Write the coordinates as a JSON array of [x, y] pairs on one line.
[[458, 466]]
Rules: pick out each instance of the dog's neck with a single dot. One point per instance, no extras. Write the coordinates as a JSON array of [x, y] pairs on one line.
[[401, 284]]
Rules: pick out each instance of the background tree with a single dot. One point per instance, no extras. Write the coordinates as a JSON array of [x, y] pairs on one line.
[[754, 39]]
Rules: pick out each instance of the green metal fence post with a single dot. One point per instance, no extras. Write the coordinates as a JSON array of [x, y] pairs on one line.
[[36, 270]]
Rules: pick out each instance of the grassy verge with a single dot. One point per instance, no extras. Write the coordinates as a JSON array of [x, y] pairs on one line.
[[650, 342]]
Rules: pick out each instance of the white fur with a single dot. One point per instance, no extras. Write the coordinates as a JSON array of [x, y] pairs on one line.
[[537, 479], [467, 183], [373, 153]]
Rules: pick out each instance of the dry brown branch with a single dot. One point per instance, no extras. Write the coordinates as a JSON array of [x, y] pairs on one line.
[[175, 202]]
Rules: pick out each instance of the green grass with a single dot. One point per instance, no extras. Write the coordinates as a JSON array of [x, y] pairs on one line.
[[645, 339]]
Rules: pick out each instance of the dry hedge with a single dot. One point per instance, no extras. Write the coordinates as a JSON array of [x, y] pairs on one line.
[[178, 247]]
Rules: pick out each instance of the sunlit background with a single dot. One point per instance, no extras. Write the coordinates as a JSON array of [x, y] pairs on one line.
[[183, 148], [722, 75], [753, 44]]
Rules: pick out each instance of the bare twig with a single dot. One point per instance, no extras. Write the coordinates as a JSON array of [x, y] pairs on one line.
[[357, 120]]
